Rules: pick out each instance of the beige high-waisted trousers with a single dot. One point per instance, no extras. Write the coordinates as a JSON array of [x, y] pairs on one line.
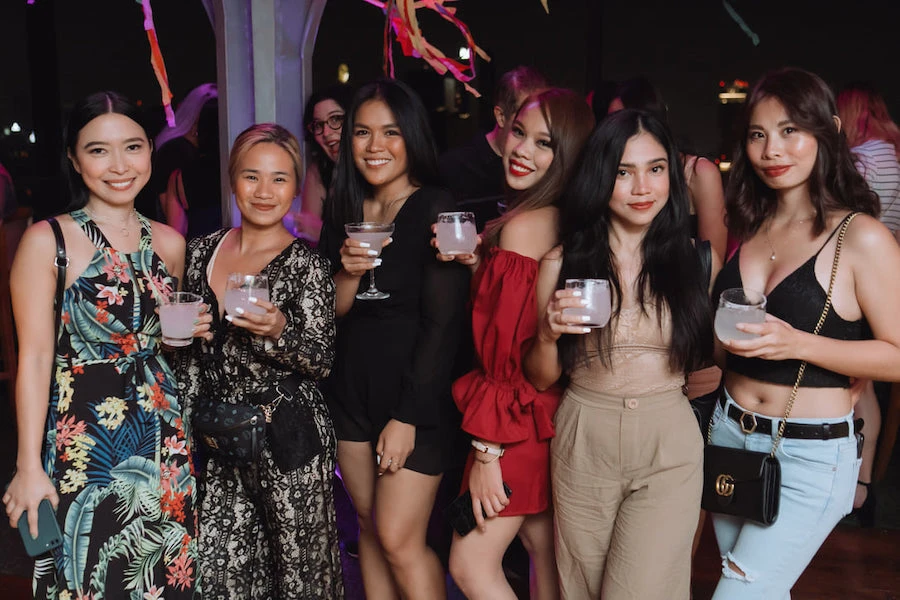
[[627, 476]]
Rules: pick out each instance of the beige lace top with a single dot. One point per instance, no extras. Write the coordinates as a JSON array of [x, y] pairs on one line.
[[640, 357]]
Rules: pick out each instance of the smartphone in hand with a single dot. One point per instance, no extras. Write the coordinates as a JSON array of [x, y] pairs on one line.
[[49, 534], [460, 515]]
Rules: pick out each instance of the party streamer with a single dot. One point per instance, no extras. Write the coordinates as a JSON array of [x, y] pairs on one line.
[[401, 19], [741, 23], [159, 65]]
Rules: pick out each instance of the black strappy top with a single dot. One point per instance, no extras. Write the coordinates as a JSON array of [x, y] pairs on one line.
[[798, 300]]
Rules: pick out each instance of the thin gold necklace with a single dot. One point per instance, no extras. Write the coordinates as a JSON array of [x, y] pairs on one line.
[[791, 223], [123, 228]]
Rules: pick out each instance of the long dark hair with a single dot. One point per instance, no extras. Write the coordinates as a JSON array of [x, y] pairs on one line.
[[569, 120], [86, 110], [350, 187], [342, 94], [670, 274], [834, 183]]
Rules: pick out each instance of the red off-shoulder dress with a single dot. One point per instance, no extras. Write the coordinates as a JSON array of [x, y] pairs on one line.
[[497, 402]]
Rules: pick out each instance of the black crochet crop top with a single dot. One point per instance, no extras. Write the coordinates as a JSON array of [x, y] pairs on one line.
[[798, 300]]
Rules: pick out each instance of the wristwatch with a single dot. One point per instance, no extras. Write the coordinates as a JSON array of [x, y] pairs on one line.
[[498, 452]]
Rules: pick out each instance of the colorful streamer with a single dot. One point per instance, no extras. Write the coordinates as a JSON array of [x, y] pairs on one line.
[[741, 23], [159, 65], [401, 19]]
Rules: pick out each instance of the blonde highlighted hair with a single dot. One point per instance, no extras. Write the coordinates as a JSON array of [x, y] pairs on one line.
[[265, 133], [864, 116]]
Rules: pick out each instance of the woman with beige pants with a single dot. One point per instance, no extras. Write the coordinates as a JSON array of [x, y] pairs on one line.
[[626, 461]]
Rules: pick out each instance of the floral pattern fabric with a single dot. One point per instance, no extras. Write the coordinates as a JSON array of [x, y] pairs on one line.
[[117, 446]]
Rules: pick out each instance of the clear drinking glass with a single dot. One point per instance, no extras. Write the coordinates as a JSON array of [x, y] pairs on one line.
[[374, 234], [739, 305], [177, 314], [240, 287], [599, 301], [456, 233]]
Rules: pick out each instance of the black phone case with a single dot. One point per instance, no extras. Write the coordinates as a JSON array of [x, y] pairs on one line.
[[49, 535], [460, 515]]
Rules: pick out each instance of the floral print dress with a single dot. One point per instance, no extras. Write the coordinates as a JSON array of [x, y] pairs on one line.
[[116, 446]]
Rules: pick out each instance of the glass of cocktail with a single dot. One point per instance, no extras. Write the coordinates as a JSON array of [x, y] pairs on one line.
[[373, 234]]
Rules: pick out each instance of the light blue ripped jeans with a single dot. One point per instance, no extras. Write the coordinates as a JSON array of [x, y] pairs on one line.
[[818, 481]]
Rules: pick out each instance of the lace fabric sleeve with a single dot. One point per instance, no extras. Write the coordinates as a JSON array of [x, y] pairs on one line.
[[304, 292], [426, 382], [187, 361]]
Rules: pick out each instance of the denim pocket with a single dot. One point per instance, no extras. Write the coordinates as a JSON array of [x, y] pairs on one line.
[[817, 455]]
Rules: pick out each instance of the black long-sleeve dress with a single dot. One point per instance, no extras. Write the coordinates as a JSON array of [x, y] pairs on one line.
[[266, 533], [395, 357]]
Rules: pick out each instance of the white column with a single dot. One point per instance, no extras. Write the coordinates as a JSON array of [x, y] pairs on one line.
[[264, 54]]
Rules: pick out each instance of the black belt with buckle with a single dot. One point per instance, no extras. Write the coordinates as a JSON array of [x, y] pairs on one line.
[[753, 423]]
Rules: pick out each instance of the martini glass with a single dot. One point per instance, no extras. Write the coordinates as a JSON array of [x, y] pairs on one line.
[[374, 234]]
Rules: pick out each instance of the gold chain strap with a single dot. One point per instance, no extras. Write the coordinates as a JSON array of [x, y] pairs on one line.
[[834, 267]]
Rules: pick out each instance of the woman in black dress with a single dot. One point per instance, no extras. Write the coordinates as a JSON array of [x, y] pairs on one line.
[[389, 393]]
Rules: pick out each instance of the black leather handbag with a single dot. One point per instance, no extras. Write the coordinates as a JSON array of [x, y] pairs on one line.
[[229, 431], [747, 484], [741, 483]]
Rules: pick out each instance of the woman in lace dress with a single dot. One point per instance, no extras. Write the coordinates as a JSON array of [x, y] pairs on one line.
[[265, 533]]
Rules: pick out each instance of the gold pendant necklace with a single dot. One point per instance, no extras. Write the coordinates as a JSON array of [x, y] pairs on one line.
[[790, 224], [769, 242], [123, 228]]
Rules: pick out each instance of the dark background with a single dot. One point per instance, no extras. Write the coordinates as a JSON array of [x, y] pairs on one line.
[[56, 51]]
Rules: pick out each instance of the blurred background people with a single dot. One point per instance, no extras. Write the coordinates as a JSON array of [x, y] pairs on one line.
[[8, 202], [193, 199], [323, 122], [173, 148], [474, 172], [874, 140], [268, 528]]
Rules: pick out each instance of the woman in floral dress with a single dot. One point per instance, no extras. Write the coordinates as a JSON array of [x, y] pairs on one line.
[[109, 447]]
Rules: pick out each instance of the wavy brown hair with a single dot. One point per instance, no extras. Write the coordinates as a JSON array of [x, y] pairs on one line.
[[834, 183], [570, 121]]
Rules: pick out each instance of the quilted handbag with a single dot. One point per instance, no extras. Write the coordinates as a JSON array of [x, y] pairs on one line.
[[232, 432]]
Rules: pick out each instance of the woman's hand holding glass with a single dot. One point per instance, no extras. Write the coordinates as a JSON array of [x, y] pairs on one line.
[[358, 257], [471, 260], [556, 321], [268, 322], [773, 340], [395, 444], [486, 489], [203, 323]]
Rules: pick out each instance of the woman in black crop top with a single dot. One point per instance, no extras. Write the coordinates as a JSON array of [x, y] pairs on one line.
[[792, 187]]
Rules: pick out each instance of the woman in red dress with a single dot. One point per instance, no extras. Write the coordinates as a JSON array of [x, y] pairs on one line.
[[511, 423]]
